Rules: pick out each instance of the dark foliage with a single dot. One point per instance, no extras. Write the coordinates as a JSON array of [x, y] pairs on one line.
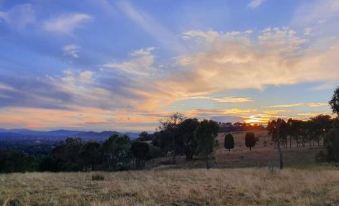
[[229, 142], [334, 102], [250, 140], [140, 151]]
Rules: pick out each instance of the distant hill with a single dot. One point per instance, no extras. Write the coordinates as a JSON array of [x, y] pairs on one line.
[[57, 135]]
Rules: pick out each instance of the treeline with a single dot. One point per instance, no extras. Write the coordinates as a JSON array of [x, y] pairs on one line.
[[177, 136], [321, 129], [238, 126]]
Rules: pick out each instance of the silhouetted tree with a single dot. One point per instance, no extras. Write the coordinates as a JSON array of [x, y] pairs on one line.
[[206, 134], [117, 152], [90, 154], [279, 131], [320, 126], [334, 102], [169, 126], [332, 143], [67, 154], [250, 140], [144, 136], [186, 138], [140, 152], [229, 142]]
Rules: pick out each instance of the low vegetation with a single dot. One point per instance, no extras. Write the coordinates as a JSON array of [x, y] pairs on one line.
[[174, 187]]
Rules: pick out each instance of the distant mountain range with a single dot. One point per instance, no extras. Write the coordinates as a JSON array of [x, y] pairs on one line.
[[56, 135]]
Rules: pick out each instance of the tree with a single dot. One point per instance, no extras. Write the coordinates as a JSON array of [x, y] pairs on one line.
[[67, 154], [169, 126], [186, 139], [279, 130], [250, 140], [117, 152], [144, 136], [229, 142], [332, 145], [320, 126], [90, 154], [206, 134], [334, 102], [140, 152]]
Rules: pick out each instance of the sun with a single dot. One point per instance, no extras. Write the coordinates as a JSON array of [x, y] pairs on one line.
[[255, 119]]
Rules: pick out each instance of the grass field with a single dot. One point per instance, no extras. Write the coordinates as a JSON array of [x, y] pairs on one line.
[[239, 177], [246, 186]]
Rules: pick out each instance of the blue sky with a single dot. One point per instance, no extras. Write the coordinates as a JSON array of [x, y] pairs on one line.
[[123, 65]]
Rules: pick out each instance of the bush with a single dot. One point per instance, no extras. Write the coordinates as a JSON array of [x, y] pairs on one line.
[[321, 156], [250, 140], [98, 177], [229, 142]]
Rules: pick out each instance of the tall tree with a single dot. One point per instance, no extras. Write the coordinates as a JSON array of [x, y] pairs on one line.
[[140, 152], [278, 130], [117, 152], [169, 126], [229, 142], [186, 138], [334, 102], [90, 154], [206, 134], [320, 126]]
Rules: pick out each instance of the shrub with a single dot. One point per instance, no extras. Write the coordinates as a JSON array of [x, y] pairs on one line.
[[250, 140], [229, 142], [98, 177]]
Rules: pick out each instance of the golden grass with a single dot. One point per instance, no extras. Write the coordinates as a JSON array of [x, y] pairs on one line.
[[248, 186]]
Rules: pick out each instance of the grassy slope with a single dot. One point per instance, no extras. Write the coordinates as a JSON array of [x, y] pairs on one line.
[[181, 186], [175, 187]]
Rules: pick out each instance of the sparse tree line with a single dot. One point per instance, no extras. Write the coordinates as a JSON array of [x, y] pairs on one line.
[[176, 136]]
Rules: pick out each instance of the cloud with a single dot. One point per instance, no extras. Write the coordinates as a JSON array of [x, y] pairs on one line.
[[150, 25], [67, 23], [241, 60], [309, 104], [255, 3], [223, 99], [31, 92], [316, 12], [19, 16], [71, 50], [141, 63]]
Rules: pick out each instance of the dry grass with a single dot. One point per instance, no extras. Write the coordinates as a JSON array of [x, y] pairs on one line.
[[246, 186]]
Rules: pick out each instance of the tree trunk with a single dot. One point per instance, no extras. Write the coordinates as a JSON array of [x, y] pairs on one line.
[[281, 163], [207, 164]]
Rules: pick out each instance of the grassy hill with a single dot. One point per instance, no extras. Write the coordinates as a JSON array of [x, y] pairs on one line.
[[262, 155], [239, 177], [247, 186]]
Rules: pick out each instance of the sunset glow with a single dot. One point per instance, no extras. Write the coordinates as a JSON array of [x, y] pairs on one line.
[[124, 65]]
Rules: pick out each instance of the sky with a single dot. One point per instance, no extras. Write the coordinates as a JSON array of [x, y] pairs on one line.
[[124, 65]]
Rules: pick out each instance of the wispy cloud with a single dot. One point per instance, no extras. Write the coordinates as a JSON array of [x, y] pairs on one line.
[[71, 50], [255, 3], [141, 63], [19, 16], [223, 99], [309, 104], [150, 25], [67, 23]]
